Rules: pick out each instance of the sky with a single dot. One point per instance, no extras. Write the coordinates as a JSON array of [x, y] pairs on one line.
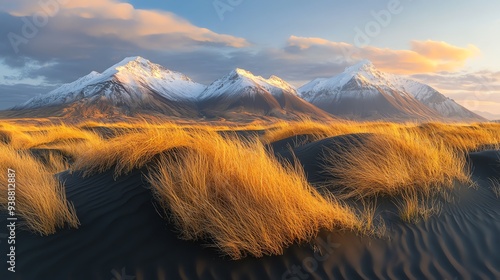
[[450, 45]]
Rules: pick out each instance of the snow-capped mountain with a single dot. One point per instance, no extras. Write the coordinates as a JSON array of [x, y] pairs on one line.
[[433, 99], [242, 91], [362, 91], [242, 82], [133, 83], [137, 86]]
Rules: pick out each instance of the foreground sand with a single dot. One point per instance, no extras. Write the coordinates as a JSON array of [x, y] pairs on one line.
[[123, 229]]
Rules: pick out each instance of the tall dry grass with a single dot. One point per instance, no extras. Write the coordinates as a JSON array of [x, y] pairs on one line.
[[391, 164], [51, 136], [413, 163], [234, 193], [40, 198], [135, 149], [406, 166], [461, 137], [282, 130]]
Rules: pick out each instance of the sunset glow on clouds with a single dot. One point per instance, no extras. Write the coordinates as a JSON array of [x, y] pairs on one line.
[[422, 57], [147, 28]]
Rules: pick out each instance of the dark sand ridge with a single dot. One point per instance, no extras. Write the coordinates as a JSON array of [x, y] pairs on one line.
[[312, 155], [121, 228]]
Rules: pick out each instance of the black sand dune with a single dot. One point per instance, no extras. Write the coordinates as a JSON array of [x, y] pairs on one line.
[[123, 231], [486, 163], [290, 143], [313, 155], [44, 155], [246, 135], [107, 133], [122, 228]]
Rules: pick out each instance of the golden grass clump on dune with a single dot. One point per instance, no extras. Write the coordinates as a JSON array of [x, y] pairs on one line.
[[235, 194], [21, 137], [135, 149], [406, 166], [464, 137], [391, 164], [284, 130], [460, 137], [322, 130], [40, 198], [64, 141]]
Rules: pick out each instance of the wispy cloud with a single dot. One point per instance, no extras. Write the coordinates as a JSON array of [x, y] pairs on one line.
[[422, 57], [148, 29]]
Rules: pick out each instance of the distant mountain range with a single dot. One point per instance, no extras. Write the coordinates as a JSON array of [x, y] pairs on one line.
[[137, 86], [489, 116], [133, 86], [362, 91], [241, 91]]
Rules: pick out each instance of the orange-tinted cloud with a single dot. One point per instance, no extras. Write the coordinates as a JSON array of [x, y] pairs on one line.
[[149, 29], [423, 57], [443, 51], [308, 42]]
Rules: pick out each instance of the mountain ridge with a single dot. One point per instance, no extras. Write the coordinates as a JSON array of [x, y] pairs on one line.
[[242, 91], [364, 92], [136, 85]]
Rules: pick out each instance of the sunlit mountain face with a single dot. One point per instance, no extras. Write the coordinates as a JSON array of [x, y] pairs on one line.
[[137, 86], [362, 91]]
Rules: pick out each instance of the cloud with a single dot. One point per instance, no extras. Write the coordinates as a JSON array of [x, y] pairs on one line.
[[423, 57], [443, 51], [147, 29], [74, 37], [16, 94]]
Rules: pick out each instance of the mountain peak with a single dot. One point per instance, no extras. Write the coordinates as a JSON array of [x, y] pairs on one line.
[[132, 59], [241, 81], [131, 81], [138, 68], [276, 78], [129, 63], [273, 80], [362, 66], [364, 83], [243, 73], [134, 64]]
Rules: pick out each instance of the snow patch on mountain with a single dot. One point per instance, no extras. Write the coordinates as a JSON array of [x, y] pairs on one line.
[[242, 82]]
